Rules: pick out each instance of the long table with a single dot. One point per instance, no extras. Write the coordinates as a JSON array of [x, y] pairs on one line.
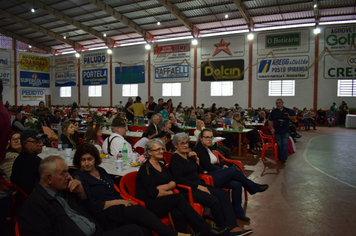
[[107, 164], [242, 134], [350, 121]]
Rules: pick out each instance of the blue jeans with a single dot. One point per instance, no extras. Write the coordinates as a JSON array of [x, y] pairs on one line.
[[282, 143], [140, 120], [232, 178]]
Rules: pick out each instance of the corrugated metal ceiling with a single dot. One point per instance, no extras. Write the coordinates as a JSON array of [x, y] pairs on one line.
[[141, 17]]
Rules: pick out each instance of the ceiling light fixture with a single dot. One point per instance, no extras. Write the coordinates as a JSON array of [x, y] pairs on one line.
[[77, 55], [29, 46], [226, 16], [315, 5], [33, 10], [148, 47], [109, 51], [64, 37], [194, 42], [104, 35], [158, 23], [317, 30], [250, 36]]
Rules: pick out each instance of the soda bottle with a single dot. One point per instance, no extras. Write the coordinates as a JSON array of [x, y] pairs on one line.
[[124, 153]]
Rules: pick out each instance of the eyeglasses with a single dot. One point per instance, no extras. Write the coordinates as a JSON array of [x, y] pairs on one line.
[[158, 149], [183, 143], [37, 141], [15, 139], [208, 137]]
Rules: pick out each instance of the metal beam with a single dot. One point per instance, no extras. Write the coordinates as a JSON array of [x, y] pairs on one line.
[[28, 41], [181, 17], [120, 17], [42, 30], [108, 41], [243, 11]]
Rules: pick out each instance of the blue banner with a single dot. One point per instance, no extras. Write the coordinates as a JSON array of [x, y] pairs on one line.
[[95, 77], [66, 78], [129, 74], [34, 79]]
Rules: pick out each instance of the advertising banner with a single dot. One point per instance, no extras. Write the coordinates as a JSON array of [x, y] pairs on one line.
[[5, 76], [223, 70], [65, 78], [293, 67], [129, 74], [344, 68], [33, 62], [172, 73], [95, 77], [171, 52], [340, 38], [32, 94], [65, 63], [34, 79], [283, 42], [223, 47], [95, 58], [5, 58]]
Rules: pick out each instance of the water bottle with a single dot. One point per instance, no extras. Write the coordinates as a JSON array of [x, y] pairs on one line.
[[60, 145], [124, 153], [119, 155]]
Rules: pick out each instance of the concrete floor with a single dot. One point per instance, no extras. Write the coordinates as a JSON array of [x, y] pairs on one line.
[[314, 193]]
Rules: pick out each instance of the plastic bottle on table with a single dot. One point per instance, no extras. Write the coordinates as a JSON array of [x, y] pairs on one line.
[[60, 145], [119, 155], [124, 153]]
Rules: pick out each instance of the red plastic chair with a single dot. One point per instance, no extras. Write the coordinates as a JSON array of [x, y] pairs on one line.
[[17, 230], [140, 150], [191, 131], [237, 163], [128, 191], [167, 156], [268, 142]]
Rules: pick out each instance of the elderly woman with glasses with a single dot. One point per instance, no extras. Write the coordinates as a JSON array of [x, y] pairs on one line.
[[108, 203], [185, 167], [154, 185], [224, 176]]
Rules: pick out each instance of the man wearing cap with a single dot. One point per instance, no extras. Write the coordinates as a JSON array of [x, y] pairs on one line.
[[25, 167], [116, 140]]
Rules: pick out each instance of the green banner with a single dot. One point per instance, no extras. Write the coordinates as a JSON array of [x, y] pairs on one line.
[[282, 40]]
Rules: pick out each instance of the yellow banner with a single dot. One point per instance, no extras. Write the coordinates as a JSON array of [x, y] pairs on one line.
[[32, 62]]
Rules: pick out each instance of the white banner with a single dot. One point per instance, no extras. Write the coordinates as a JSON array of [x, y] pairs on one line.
[[340, 69], [95, 58], [223, 47], [285, 42], [283, 68], [65, 63], [5, 58], [32, 95], [340, 38], [172, 73], [5, 76]]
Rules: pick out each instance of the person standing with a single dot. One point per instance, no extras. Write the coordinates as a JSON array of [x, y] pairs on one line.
[[159, 106], [333, 108], [343, 111], [138, 109], [151, 107], [129, 116], [279, 120]]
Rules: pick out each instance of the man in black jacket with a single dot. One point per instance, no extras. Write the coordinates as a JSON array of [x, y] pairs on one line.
[[59, 206]]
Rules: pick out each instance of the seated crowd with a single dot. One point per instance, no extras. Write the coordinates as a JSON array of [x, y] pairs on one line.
[[87, 203]]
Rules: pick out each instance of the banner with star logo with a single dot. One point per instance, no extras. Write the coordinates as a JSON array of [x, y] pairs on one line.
[[223, 47]]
